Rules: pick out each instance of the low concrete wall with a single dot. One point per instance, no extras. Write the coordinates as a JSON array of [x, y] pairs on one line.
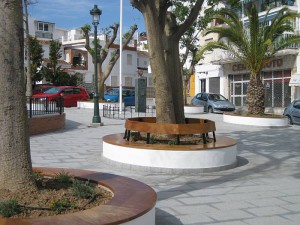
[[46, 123]]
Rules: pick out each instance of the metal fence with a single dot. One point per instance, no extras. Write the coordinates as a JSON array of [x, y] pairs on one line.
[[113, 112], [44, 106]]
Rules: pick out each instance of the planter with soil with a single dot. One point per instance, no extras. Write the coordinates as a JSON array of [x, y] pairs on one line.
[[133, 202], [266, 120], [140, 146]]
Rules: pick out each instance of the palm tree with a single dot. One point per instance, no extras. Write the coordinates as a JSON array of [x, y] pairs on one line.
[[254, 45]]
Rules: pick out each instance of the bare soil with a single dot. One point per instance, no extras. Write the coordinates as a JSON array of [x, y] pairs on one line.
[[38, 203]]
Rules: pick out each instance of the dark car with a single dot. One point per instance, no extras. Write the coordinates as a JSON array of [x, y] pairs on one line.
[[128, 96], [292, 111], [213, 102], [70, 95]]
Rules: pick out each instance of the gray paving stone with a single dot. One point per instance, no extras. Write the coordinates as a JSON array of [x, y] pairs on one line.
[[267, 211], [263, 189], [274, 220]]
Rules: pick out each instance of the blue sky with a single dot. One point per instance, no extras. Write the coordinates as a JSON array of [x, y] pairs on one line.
[[71, 14]]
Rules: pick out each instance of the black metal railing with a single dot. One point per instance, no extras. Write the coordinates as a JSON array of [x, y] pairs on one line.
[[44, 106], [112, 111]]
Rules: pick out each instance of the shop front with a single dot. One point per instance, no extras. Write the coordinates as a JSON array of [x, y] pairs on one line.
[[276, 77]]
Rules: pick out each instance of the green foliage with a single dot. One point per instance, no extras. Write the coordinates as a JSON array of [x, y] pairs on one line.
[[152, 140], [37, 175], [61, 205], [172, 142], [134, 136], [83, 189], [36, 57], [64, 177], [10, 208], [52, 71]]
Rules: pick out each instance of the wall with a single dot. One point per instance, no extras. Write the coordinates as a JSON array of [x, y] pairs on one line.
[[47, 123]]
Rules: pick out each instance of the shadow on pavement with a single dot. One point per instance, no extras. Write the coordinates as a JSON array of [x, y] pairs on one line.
[[163, 218]]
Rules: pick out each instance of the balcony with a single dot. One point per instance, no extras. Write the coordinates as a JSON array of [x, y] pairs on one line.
[[41, 34]]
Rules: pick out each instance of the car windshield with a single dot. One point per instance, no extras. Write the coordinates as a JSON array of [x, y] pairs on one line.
[[112, 92], [216, 97], [53, 90]]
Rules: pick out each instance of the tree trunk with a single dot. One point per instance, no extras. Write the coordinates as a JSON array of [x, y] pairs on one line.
[[15, 162], [256, 96], [175, 76], [28, 61]]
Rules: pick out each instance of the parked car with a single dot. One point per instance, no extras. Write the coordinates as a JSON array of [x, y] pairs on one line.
[[70, 95], [213, 102], [40, 88], [128, 96], [292, 111]]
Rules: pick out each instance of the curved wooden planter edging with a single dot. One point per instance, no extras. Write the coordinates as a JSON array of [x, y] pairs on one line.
[[132, 200], [148, 125], [256, 121]]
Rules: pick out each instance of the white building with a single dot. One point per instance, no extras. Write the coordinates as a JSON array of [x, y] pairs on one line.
[[220, 73], [76, 58]]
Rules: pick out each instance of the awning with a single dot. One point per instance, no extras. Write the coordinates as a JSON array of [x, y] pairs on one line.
[[295, 80]]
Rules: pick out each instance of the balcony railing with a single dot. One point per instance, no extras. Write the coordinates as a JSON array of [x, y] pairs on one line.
[[40, 34]]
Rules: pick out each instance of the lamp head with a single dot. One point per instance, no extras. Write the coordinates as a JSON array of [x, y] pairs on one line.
[[95, 12]]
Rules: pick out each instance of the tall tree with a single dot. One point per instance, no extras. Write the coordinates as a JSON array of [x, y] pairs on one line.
[[103, 73], [189, 41], [164, 32], [254, 45], [15, 161], [52, 69], [36, 58]]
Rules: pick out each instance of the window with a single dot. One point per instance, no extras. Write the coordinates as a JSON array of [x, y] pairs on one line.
[[128, 81], [129, 59], [43, 26], [76, 91]]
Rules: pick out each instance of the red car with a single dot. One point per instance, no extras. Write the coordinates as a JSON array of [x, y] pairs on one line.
[[70, 94]]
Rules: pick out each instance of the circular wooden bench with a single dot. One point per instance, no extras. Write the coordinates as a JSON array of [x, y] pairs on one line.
[[148, 125]]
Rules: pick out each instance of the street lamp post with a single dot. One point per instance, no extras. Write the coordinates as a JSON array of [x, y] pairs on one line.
[[95, 12]]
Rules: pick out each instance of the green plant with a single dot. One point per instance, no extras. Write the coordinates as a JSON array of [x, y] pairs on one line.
[[83, 189], [64, 177], [152, 140], [9, 208], [60, 205], [37, 174], [172, 142], [134, 136]]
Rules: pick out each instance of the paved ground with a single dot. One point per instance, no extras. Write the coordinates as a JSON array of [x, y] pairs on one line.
[[263, 189]]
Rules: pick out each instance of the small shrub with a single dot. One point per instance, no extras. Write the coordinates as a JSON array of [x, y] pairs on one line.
[[9, 208], [83, 189], [172, 142], [64, 177], [134, 136], [37, 175], [152, 140], [60, 205]]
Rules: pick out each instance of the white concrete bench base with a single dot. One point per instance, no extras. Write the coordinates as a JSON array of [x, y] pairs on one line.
[[213, 155]]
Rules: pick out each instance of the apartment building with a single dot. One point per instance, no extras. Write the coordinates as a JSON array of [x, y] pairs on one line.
[[133, 60], [75, 57], [221, 73]]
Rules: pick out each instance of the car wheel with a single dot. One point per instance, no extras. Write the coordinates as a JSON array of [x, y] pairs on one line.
[[210, 109], [290, 121]]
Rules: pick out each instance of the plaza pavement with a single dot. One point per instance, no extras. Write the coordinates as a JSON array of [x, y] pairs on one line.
[[263, 190]]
